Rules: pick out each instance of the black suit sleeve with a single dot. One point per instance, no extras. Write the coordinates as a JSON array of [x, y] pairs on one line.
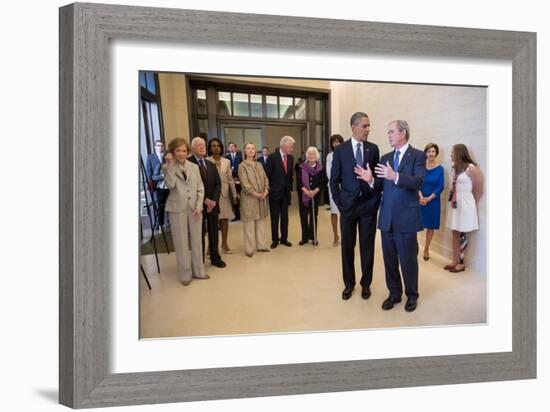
[[291, 168], [269, 166], [378, 181], [373, 162], [336, 177], [217, 184]]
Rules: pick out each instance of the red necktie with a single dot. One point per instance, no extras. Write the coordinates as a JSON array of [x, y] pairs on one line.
[[284, 163]]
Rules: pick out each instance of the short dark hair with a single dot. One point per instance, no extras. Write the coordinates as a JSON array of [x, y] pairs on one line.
[[231, 143], [214, 139], [432, 145], [355, 117], [335, 138]]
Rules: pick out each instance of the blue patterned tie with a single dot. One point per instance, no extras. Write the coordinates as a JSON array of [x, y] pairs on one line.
[[396, 160], [359, 155]]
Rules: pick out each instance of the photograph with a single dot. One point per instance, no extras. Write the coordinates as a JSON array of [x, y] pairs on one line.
[[284, 205]]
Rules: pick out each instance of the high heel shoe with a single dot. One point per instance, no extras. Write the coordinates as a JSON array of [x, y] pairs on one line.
[[455, 270], [449, 267], [426, 258]]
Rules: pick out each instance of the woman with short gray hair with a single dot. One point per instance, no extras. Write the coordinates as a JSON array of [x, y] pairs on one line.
[[311, 180]]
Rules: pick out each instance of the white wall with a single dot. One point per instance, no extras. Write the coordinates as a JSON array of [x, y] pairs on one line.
[[444, 115], [29, 251]]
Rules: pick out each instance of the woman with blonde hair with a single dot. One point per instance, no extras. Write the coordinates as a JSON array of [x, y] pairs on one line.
[[184, 206], [254, 204], [466, 191]]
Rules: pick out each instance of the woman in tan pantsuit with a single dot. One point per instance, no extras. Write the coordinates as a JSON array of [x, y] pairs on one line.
[[228, 195], [254, 206], [184, 205]]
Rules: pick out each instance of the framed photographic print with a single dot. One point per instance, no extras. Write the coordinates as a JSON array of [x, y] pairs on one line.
[[105, 52]]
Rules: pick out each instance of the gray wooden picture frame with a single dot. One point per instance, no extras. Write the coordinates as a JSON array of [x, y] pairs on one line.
[[85, 32]]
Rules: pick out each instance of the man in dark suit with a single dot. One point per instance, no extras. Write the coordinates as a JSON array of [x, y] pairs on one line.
[[263, 158], [357, 202], [399, 174], [279, 170], [235, 158], [153, 169], [212, 190]]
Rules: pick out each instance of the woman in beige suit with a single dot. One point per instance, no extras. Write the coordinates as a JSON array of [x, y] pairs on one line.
[[184, 205], [254, 206], [228, 195]]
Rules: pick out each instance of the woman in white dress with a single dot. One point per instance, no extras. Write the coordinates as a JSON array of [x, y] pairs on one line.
[[335, 140], [466, 190], [228, 195]]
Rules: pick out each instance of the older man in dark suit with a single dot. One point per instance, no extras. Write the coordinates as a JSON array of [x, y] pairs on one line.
[[400, 174], [212, 190], [357, 203], [279, 169]]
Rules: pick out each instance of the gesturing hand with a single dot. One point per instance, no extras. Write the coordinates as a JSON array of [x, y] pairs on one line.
[[385, 171], [169, 158], [364, 174]]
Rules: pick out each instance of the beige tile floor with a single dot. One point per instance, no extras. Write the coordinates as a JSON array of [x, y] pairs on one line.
[[297, 289]]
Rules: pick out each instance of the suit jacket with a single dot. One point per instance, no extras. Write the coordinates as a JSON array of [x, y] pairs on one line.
[[348, 192], [262, 161], [280, 182], [153, 168], [235, 164], [212, 183], [400, 208], [226, 177], [186, 188]]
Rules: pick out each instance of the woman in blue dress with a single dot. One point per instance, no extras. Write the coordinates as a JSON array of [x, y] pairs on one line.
[[434, 183]]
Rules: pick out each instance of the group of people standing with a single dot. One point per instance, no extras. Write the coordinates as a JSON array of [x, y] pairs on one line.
[[398, 193], [401, 190]]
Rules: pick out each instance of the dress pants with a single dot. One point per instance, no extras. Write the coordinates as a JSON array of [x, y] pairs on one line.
[[187, 234], [254, 235], [160, 196], [401, 249], [349, 222], [306, 218], [211, 226], [278, 210]]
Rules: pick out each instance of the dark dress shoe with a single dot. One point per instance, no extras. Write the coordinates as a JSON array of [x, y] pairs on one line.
[[274, 245], [410, 306], [302, 242], [389, 302], [365, 293], [286, 243], [219, 263], [315, 243], [346, 294]]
